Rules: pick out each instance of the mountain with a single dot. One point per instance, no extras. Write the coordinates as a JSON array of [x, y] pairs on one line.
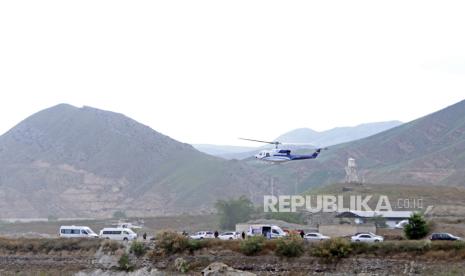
[[309, 137], [336, 135], [84, 162], [429, 150]]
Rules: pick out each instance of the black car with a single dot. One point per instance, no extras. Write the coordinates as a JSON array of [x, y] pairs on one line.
[[444, 237]]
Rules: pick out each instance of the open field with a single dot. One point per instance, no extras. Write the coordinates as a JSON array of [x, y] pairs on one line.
[[151, 225]]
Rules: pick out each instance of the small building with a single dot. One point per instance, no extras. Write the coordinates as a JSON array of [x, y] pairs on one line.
[[361, 217]]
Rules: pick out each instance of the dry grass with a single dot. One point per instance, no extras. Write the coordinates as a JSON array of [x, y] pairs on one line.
[[34, 246], [395, 249]]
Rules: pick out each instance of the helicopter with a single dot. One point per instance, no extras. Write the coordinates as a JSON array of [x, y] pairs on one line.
[[278, 155]]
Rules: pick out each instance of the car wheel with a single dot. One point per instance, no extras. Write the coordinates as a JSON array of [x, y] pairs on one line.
[[357, 240], [376, 240], [230, 239], [125, 239], [201, 238]]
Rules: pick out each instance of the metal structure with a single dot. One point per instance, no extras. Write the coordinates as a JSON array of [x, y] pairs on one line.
[[351, 172]]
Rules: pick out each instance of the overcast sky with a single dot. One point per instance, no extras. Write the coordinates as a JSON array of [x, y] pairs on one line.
[[212, 71]]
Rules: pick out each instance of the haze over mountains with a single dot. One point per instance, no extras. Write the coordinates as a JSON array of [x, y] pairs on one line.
[[336, 135], [306, 136], [85, 162]]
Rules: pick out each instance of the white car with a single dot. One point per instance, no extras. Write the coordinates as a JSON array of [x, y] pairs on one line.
[[203, 235], [366, 237], [118, 234], [315, 237], [76, 232], [229, 236]]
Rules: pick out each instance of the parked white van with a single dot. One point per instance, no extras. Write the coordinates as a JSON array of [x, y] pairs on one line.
[[268, 231], [76, 232], [119, 234]]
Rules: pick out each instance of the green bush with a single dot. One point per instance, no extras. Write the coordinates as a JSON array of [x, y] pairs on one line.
[[194, 245], [290, 247], [172, 242], [332, 249], [252, 245], [417, 228], [124, 263], [138, 248]]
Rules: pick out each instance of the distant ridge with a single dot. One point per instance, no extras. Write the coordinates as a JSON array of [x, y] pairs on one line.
[[336, 135], [429, 150]]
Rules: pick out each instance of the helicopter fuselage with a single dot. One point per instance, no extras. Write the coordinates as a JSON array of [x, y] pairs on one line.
[[283, 155]]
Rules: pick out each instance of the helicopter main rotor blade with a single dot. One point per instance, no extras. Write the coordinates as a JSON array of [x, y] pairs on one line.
[[298, 144], [266, 142]]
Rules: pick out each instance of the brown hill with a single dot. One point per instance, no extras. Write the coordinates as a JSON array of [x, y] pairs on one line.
[[85, 162]]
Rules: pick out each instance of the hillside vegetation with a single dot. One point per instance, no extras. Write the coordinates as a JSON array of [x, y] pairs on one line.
[[84, 162]]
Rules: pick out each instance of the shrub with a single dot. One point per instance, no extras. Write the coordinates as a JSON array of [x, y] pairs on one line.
[[137, 248], [172, 242], [332, 249], [417, 228], [124, 263], [194, 245], [290, 247], [181, 265], [252, 245]]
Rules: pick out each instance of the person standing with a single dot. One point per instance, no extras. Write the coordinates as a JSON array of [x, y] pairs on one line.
[[243, 235], [216, 234], [302, 234]]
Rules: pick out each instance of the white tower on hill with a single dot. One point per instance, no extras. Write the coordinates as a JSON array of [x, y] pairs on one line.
[[351, 171]]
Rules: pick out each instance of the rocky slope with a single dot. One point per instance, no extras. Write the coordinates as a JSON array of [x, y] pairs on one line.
[[85, 162]]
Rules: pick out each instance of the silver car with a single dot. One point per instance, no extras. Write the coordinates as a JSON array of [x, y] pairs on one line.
[[315, 237], [367, 237]]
